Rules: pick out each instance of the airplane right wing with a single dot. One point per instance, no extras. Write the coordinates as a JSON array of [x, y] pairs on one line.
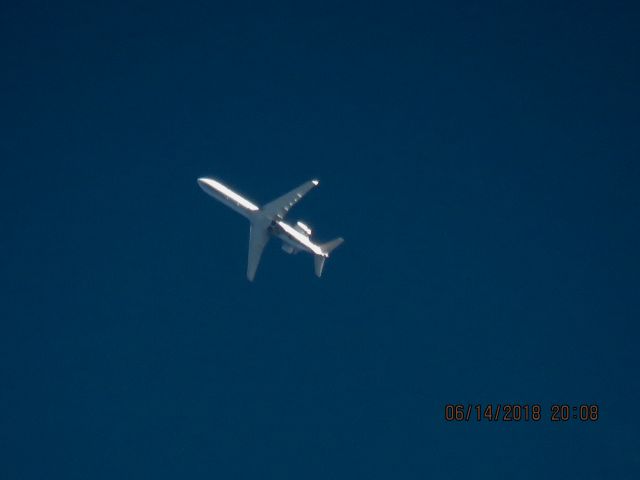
[[258, 238], [281, 206]]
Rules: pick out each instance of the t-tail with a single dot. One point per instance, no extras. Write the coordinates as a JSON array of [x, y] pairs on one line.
[[327, 248]]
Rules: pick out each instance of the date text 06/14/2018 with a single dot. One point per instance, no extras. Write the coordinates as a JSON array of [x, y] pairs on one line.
[[513, 412]]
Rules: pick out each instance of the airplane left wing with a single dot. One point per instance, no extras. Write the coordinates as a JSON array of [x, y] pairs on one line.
[[279, 207], [258, 238]]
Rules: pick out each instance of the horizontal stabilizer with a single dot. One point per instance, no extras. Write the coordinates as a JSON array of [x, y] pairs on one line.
[[318, 260], [332, 245], [318, 264]]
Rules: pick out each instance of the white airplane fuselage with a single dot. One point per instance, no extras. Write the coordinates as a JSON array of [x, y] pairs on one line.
[[294, 238]]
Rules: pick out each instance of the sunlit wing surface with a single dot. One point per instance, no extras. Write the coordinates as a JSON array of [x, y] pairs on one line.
[[279, 207], [258, 238]]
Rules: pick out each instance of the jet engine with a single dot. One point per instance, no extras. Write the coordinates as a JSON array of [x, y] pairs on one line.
[[288, 248], [302, 228]]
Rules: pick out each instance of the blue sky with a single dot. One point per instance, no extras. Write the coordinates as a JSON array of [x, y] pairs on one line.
[[481, 163]]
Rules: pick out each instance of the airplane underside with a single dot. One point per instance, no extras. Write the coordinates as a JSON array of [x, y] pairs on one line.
[[268, 221]]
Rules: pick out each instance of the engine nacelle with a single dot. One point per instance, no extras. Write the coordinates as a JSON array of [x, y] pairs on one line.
[[288, 248], [302, 228]]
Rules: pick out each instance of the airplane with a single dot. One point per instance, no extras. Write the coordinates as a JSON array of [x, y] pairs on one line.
[[268, 221]]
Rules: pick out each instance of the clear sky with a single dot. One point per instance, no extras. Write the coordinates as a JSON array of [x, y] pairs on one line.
[[481, 161]]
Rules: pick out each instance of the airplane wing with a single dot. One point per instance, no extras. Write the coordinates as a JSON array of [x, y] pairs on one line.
[[280, 206], [258, 238]]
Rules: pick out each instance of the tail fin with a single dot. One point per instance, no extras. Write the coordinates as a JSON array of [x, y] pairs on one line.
[[327, 248]]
